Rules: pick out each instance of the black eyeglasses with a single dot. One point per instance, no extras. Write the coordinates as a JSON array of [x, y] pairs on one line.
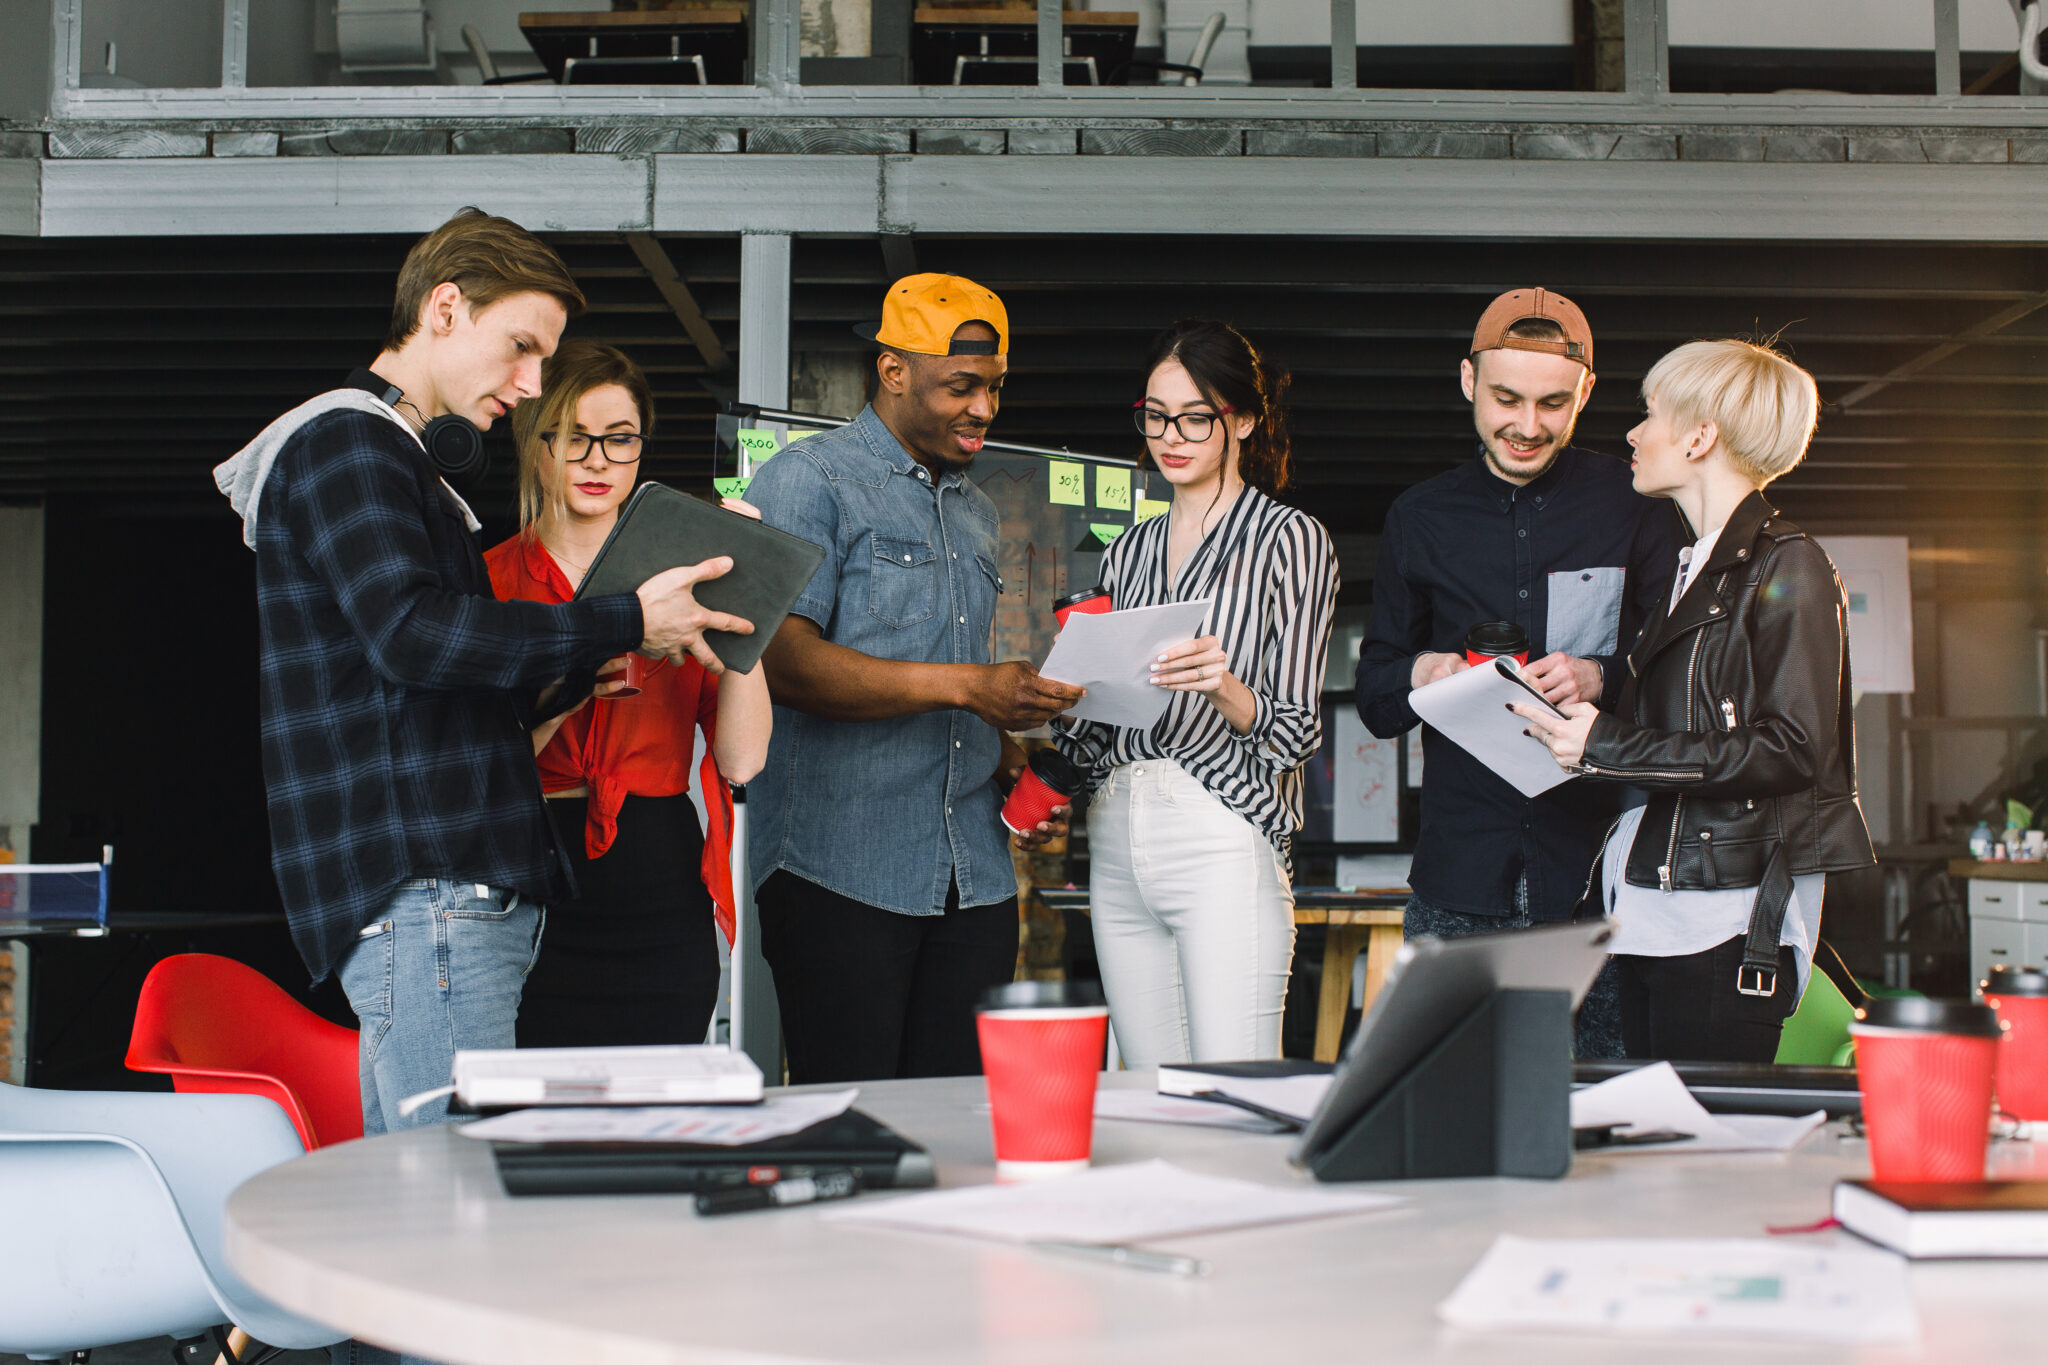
[[620, 447], [1194, 427]]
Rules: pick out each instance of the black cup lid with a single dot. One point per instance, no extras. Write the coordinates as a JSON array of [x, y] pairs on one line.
[[1918, 1014], [1058, 771], [2005, 979], [1085, 595], [1497, 637], [1042, 995]]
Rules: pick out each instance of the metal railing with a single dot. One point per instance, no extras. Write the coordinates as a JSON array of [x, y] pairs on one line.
[[777, 88]]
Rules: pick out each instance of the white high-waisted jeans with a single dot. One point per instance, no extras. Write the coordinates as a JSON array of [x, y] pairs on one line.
[[1193, 918]]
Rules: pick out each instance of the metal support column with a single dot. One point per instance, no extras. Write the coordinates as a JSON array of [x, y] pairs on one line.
[[778, 25], [234, 44], [1646, 40], [763, 380], [1948, 47], [1343, 44], [1052, 45]]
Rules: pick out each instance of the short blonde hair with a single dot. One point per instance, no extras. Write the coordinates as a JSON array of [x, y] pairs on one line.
[[572, 371], [1764, 406]]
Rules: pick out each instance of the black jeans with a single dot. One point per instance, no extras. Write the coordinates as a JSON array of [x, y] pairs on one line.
[[871, 995], [1686, 1009]]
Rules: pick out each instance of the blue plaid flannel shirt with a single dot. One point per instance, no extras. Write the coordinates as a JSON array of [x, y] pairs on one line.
[[396, 689]]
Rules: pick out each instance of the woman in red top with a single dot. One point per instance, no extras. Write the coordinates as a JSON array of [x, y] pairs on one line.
[[635, 959]]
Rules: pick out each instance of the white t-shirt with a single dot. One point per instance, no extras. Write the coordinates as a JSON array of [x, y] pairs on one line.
[[1654, 923]]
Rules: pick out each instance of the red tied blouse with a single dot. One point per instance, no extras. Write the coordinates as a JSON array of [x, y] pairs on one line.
[[629, 748]]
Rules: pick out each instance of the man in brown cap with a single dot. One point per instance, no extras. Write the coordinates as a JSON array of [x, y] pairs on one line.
[[1553, 539], [882, 871]]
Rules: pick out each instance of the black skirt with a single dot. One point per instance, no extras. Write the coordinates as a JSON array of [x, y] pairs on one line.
[[635, 959]]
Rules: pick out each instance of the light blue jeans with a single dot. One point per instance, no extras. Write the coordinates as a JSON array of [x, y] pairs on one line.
[[440, 969]]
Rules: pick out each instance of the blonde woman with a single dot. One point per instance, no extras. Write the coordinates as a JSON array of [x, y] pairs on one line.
[[1735, 718], [635, 959]]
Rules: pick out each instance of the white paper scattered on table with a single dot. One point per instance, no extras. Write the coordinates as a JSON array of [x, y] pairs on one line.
[[1653, 1097], [1141, 1201], [1143, 1106], [1470, 709], [1727, 1287], [1110, 654], [718, 1125]]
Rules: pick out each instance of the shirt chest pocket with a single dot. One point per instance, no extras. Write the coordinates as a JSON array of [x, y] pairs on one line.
[[1585, 611], [903, 581]]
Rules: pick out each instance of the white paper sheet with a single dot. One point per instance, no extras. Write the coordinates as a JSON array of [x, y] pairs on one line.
[[1141, 1106], [1109, 653], [1687, 1287], [719, 1125], [1653, 1097], [1137, 1202], [1470, 710]]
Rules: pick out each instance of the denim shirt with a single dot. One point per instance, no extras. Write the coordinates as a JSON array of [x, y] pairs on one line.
[[888, 812]]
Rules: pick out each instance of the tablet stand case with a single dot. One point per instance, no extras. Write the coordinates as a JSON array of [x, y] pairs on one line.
[[659, 529], [1492, 1097]]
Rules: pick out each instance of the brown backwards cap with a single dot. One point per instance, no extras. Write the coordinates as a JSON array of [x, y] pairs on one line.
[[1518, 305]]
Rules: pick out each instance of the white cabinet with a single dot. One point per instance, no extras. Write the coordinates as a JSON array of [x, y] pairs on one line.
[[2002, 914]]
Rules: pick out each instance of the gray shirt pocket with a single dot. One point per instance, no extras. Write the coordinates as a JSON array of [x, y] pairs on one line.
[[1585, 611]]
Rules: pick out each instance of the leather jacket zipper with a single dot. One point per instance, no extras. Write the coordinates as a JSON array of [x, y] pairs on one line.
[[1728, 712], [1692, 673]]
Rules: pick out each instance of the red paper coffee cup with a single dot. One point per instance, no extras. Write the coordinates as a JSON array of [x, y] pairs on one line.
[[1049, 779], [1496, 640], [1925, 1067], [1041, 1047], [1091, 600], [2020, 995]]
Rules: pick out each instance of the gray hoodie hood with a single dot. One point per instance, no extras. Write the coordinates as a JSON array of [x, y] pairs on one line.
[[241, 478]]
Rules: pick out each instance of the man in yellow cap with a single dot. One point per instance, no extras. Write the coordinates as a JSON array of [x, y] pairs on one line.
[[881, 868]]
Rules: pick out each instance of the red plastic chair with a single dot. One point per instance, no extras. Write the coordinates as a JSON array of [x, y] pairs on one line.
[[216, 1026]]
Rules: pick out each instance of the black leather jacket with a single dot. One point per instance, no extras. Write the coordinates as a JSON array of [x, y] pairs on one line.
[[1736, 718]]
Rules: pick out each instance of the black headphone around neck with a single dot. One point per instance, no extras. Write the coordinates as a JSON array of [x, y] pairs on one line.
[[454, 444]]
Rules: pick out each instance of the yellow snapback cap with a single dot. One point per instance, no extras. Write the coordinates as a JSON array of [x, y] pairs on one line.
[[921, 313]]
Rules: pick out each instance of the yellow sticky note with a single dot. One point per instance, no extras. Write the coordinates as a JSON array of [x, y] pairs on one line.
[[796, 434], [759, 445], [1112, 489], [1149, 508], [1069, 483]]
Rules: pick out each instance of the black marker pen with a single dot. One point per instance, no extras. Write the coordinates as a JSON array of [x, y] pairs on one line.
[[802, 1189]]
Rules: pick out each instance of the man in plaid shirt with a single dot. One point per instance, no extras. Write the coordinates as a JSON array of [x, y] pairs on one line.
[[408, 833]]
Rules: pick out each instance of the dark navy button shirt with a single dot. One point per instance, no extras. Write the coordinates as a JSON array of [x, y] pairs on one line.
[[1580, 561]]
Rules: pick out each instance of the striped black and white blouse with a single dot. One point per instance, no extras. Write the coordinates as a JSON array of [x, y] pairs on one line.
[[1271, 574]]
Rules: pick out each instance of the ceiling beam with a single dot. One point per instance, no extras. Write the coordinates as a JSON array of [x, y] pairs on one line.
[[1998, 321], [654, 259]]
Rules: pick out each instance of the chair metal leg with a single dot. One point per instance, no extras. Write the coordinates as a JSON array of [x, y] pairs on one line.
[[205, 1349]]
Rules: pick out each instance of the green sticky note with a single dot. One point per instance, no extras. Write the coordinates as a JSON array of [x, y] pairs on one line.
[[796, 434], [731, 488], [1106, 533], [1149, 508], [1112, 489], [1069, 483], [757, 444]]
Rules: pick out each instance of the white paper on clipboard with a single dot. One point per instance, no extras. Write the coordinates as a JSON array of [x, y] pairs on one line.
[[1470, 708]]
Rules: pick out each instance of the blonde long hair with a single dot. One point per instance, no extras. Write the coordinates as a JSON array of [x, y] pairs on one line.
[[572, 371]]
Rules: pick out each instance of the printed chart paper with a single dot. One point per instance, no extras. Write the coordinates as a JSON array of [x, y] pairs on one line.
[[1724, 1287]]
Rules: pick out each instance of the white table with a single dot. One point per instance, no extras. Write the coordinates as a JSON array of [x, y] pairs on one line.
[[408, 1240]]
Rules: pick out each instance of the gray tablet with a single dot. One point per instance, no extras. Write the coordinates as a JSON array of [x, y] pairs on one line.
[[1433, 985], [660, 529]]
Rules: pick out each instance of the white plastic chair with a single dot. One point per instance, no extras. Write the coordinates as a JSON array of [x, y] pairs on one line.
[[114, 1203]]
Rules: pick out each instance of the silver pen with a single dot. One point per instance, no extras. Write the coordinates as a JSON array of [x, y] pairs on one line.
[[1137, 1258]]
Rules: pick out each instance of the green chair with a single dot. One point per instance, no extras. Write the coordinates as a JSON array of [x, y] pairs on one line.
[[1817, 1034]]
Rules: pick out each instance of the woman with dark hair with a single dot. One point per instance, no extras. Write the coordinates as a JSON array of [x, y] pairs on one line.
[[635, 959], [1191, 820]]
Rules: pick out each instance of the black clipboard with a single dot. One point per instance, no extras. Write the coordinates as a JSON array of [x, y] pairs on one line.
[[1506, 668], [660, 529]]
